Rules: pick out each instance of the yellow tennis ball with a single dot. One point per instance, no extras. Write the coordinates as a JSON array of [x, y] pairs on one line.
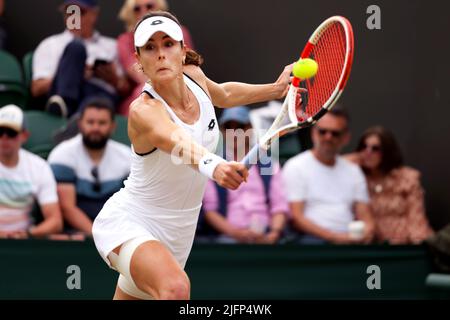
[[305, 68]]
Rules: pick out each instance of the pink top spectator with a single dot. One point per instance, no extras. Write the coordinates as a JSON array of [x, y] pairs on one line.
[[249, 200], [125, 47]]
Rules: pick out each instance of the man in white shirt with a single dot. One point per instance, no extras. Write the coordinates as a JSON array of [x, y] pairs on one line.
[[78, 63], [326, 192], [24, 178], [90, 167]]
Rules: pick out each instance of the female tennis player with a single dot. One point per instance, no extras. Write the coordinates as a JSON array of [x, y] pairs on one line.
[[146, 230]]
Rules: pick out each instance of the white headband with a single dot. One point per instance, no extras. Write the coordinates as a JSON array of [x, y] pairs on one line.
[[150, 26]]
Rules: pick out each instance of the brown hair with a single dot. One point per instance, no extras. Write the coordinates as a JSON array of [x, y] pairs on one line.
[[192, 57], [391, 156], [340, 111], [98, 102]]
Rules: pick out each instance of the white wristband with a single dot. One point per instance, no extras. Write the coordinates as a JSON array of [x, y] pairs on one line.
[[208, 164]]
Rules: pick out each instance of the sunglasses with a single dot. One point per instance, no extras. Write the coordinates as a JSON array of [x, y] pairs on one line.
[[371, 148], [97, 185], [147, 7], [10, 133], [334, 133]]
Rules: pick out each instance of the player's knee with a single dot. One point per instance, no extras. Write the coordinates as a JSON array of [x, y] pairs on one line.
[[177, 288]]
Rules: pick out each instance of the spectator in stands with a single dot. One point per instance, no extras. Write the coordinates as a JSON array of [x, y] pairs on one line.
[[2, 28], [90, 167], [397, 196], [326, 192], [257, 211], [78, 63], [132, 11], [24, 177]]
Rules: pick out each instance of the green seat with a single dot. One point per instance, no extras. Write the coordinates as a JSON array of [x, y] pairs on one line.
[[10, 70], [32, 103], [121, 133], [12, 89], [42, 126], [11, 94], [27, 64]]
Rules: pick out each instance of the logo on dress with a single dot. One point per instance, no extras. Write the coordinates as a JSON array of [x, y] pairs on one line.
[[212, 124]]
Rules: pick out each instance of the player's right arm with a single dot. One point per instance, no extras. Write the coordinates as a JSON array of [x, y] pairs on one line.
[[150, 127]]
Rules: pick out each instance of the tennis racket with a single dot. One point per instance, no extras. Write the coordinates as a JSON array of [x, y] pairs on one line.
[[331, 46]]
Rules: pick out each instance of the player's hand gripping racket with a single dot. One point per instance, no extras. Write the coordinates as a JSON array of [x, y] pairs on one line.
[[331, 46]]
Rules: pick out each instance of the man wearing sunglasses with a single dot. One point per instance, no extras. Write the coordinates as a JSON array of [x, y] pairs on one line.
[[78, 63], [24, 178], [326, 192]]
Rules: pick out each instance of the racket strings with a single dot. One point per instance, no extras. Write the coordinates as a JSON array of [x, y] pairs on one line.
[[329, 52]]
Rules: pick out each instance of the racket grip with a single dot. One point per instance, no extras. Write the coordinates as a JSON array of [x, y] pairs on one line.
[[252, 157]]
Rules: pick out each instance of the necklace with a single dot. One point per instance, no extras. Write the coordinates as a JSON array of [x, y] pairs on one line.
[[185, 111], [378, 188], [189, 99], [377, 185]]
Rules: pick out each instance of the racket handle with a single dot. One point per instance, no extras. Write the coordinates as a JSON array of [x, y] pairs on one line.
[[252, 157]]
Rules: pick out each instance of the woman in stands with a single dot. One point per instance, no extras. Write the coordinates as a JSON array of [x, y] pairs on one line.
[[397, 196]]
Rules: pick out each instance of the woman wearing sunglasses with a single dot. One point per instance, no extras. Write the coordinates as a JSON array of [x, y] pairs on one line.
[[397, 196], [132, 11]]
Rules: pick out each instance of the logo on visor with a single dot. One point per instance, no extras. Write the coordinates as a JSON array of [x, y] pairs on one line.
[[156, 22]]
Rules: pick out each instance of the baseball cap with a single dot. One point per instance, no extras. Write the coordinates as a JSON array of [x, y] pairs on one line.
[[148, 27], [239, 114], [11, 116], [82, 3]]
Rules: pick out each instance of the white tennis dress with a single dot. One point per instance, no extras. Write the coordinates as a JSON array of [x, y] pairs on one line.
[[161, 198]]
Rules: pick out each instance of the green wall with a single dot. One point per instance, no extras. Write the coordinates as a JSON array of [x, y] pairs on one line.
[[37, 269]]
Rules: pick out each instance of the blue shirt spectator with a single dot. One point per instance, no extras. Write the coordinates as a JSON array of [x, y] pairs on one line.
[[90, 167]]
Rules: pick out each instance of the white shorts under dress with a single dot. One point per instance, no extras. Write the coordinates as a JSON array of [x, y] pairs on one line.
[[122, 219]]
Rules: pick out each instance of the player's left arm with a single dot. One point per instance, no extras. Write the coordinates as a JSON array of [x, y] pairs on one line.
[[230, 94]]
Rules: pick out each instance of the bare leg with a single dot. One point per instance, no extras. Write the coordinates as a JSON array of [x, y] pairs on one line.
[[156, 272], [120, 295]]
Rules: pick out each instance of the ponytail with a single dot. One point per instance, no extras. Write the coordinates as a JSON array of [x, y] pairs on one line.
[[193, 58]]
